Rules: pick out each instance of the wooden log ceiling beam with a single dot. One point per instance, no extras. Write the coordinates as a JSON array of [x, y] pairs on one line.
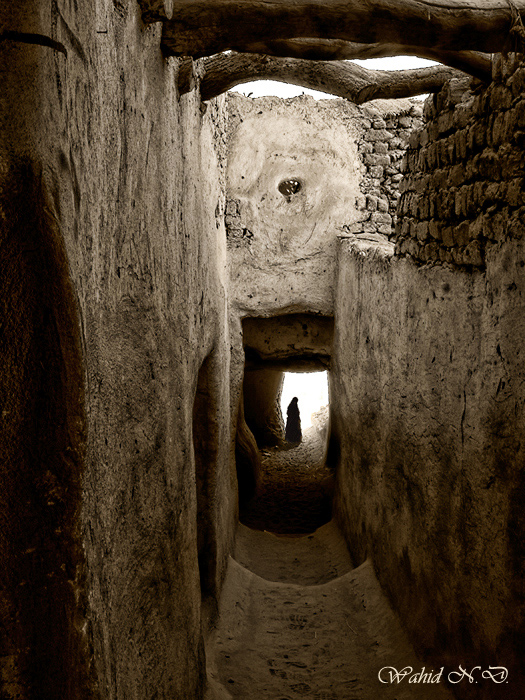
[[205, 27], [342, 78]]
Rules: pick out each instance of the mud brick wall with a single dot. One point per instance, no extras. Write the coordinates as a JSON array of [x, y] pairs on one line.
[[464, 190]]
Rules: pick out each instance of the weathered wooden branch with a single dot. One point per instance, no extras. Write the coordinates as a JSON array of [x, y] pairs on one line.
[[341, 78], [474, 63], [206, 27]]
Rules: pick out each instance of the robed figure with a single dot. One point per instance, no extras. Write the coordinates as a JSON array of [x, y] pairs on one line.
[[293, 422]]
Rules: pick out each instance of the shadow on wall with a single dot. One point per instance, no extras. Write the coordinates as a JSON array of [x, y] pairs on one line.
[[42, 448], [205, 449], [247, 458], [262, 390]]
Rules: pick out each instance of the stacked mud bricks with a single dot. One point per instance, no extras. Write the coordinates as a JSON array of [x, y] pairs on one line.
[[465, 171]]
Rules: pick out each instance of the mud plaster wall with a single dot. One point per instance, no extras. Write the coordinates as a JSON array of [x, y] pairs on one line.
[[428, 408], [113, 294], [262, 410], [347, 160], [281, 249]]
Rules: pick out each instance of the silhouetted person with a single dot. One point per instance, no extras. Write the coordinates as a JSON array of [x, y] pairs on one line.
[[293, 423]]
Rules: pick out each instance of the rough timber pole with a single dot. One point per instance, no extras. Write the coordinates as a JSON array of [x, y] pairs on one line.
[[205, 27], [355, 83]]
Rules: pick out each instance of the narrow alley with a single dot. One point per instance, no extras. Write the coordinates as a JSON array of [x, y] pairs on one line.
[[296, 619], [178, 260]]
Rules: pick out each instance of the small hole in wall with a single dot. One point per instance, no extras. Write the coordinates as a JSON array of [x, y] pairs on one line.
[[289, 187]]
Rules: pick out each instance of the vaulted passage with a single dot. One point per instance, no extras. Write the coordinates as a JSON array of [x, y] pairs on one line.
[[296, 619], [294, 487], [295, 490]]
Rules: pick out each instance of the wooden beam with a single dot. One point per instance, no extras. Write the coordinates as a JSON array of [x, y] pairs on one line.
[[340, 78], [474, 63], [206, 27]]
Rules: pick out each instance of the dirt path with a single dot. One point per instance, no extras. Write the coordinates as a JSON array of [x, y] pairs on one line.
[[308, 560], [296, 620], [296, 490], [302, 624]]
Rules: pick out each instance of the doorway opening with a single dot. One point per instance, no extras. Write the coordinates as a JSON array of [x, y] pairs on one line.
[[311, 391], [295, 487]]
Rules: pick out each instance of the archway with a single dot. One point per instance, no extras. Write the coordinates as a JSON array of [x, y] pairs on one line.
[[285, 356]]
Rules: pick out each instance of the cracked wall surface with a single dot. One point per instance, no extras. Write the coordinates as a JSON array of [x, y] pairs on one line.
[[113, 275], [428, 413]]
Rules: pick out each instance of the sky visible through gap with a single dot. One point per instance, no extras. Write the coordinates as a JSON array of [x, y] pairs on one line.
[[263, 88], [311, 388]]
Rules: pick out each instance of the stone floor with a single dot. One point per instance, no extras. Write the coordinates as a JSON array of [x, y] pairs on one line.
[[297, 621]]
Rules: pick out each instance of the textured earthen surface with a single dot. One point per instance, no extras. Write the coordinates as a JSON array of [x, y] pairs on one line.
[[113, 262], [44, 651], [347, 163], [281, 247], [137, 266], [297, 340], [430, 426], [294, 630], [262, 408], [295, 488]]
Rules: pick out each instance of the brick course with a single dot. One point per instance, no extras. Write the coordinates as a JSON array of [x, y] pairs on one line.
[[465, 171]]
